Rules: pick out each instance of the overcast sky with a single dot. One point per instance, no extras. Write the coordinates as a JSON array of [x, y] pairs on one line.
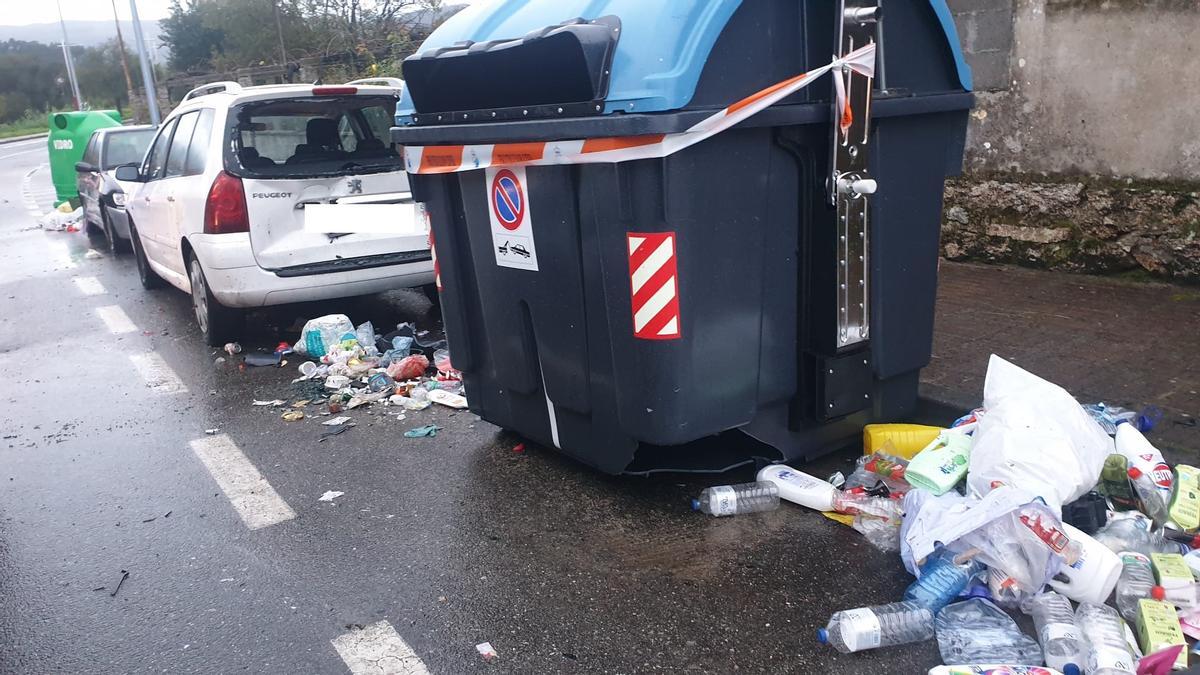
[[21, 12]]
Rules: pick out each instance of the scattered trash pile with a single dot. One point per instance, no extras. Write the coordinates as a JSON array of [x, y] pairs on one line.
[[354, 366], [1029, 503], [62, 219]]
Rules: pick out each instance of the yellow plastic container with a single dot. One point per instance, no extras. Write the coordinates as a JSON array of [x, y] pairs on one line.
[[906, 439]]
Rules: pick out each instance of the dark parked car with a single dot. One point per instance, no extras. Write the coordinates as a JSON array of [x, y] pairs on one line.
[[100, 193]]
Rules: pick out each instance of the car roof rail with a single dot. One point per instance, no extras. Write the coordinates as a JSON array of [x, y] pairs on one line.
[[213, 88], [393, 82]]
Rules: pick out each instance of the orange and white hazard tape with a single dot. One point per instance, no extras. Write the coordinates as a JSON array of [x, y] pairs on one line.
[[453, 158]]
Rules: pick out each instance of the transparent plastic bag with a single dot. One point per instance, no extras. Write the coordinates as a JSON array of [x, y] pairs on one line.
[[877, 468], [1008, 530], [321, 334], [879, 522], [365, 334]]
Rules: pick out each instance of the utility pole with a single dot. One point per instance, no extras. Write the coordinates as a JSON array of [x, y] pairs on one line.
[[66, 46], [279, 29], [144, 59], [124, 61]]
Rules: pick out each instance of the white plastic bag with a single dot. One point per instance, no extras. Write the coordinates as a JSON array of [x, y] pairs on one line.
[[1036, 437], [321, 333], [59, 220]]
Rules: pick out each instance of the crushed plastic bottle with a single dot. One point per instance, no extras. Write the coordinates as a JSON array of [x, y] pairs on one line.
[[1054, 620], [1151, 498], [855, 630], [1131, 532], [1103, 635], [1135, 583], [729, 500], [942, 580], [1109, 417], [977, 631]]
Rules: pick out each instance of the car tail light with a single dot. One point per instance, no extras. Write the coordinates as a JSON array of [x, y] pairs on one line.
[[334, 91], [225, 211]]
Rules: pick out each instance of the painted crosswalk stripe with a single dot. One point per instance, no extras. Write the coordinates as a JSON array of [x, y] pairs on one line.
[[89, 285], [157, 375], [115, 319], [378, 648], [250, 494]]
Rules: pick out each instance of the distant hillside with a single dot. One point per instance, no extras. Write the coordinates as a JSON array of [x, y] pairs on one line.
[[85, 33]]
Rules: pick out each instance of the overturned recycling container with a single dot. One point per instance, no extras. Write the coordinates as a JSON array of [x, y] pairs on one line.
[[656, 222], [68, 138]]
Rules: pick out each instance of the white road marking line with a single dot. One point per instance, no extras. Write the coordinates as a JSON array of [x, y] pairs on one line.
[[89, 285], [157, 375], [23, 152], [378, 648], [251, 495], [116, 319]]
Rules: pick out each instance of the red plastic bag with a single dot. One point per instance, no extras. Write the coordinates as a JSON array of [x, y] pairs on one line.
[[408, 368]]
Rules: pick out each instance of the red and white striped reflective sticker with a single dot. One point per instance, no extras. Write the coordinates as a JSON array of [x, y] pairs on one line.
[[437, 270], [654, 283]]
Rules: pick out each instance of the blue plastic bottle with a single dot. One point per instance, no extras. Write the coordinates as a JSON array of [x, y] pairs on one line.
[[941, 580]]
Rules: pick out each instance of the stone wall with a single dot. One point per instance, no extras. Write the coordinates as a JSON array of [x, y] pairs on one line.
[[1083, 152], [1092, 226]]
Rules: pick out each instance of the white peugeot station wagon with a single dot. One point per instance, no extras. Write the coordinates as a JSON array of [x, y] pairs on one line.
[[267, 195]]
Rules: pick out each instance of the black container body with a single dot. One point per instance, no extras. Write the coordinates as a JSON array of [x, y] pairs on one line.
[[552, 354]]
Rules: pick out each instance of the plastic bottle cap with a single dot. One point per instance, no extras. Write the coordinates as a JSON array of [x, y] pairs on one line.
[[822, 636], [1071, 669], [695, 504], [1135, 473], [1158, 592]]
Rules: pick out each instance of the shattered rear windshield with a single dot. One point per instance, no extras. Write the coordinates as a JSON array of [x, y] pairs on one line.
[[299, 137]]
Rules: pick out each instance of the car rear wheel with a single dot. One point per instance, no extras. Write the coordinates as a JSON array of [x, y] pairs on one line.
[[430, 291], [149, 278], [218, 324], [116, 245]]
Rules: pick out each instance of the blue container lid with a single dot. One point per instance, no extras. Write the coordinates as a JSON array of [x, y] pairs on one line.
[[660, 54]]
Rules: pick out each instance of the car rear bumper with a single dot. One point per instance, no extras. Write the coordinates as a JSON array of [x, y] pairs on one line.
[[236, 280]]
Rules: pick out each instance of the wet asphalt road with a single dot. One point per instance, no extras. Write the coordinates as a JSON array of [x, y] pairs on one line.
[[453, 540]]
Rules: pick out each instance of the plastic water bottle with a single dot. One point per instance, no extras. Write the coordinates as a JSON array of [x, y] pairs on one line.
[[729, 500], [1135, 583], [1146, 458], [1055, 623], [941, 581], [1149, 494], [854, 630], [1104, 637]]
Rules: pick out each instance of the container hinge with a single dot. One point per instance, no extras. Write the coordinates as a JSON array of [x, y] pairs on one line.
[[850, 183]]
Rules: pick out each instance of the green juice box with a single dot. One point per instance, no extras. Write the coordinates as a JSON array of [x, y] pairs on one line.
[[1158, 627], [1172, 571], [1185, 500]]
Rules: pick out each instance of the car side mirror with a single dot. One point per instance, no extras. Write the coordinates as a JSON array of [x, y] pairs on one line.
[[85, 167], [129, 173]]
